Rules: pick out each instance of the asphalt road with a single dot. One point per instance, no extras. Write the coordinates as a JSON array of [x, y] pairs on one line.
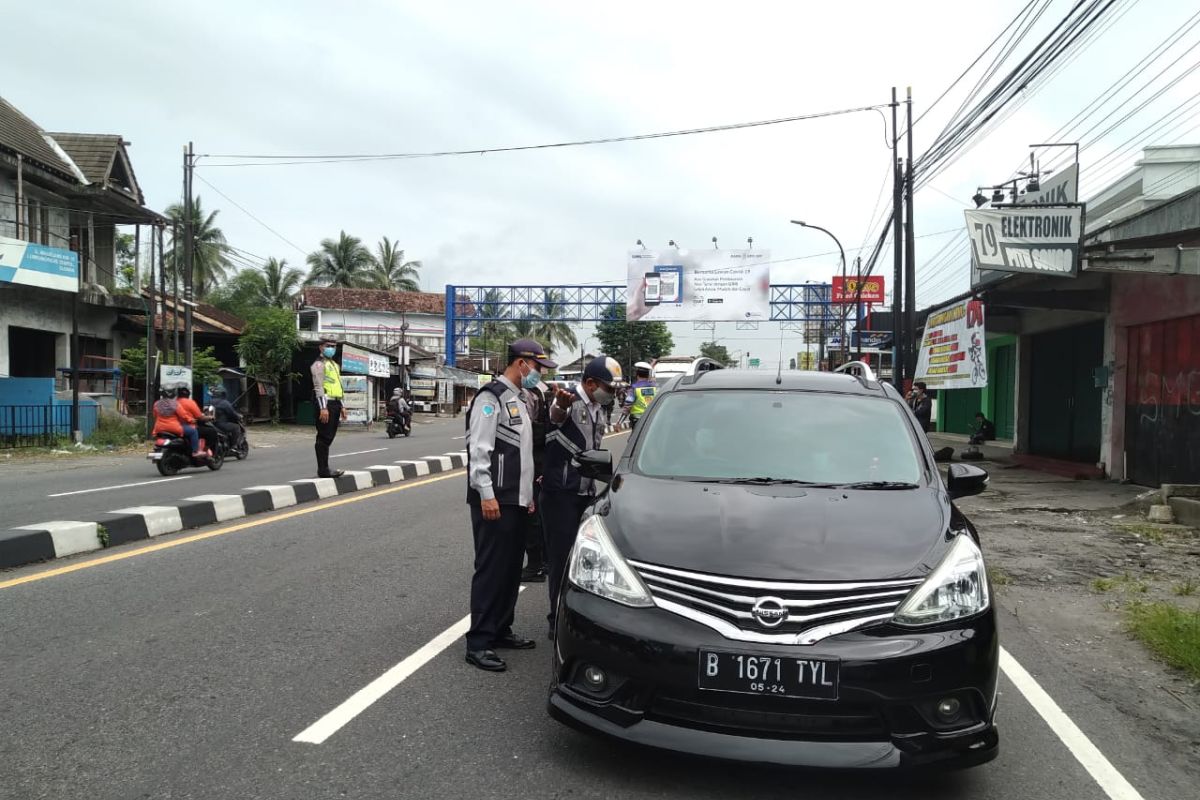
[[187, 671], [81, 489]]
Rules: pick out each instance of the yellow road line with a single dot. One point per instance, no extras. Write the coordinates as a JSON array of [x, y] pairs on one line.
[[241, 526]]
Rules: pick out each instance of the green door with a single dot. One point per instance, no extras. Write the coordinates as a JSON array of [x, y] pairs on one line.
[[1064, 414], [961, 405], [1003, 377]]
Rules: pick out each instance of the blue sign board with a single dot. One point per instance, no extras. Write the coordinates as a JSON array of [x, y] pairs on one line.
[[33, 264]]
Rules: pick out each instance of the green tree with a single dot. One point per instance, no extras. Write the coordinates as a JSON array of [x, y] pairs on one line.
[[280, 283], [718, 353], [391, 271], [205, 366], [126, 264], [343, 263], [495, 335], [267, 345], [210, 259], [630, 342], [242, 294], [550, 329]]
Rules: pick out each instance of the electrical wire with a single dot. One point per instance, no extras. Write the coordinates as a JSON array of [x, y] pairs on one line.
[[281, 160], [249, 214]]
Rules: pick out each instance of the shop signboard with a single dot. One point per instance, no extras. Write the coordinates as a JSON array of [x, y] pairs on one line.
[[953, 352], [31, 264]]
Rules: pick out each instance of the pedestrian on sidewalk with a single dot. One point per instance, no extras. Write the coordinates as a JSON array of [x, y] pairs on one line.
[[327, 394], [577, 422], [922, 405], [535, 537], [500, 493], [985, 429]]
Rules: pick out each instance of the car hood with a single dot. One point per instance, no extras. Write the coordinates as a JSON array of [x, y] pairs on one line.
[[778, 532]]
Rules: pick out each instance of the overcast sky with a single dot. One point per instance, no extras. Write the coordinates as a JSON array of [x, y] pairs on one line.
[[390, 76]]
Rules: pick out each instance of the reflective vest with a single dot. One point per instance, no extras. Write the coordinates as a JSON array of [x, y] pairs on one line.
[[643, 395], [333, 380]]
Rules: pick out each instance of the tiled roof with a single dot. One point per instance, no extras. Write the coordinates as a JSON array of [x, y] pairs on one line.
[[372, 300], [92, 152], [20, 134], [164, 323], [223, 321]]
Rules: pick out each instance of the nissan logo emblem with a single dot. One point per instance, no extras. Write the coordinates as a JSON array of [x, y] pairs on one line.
[[769, 611]]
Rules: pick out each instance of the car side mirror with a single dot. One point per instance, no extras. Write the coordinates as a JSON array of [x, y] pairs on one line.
[[595, 464], [965, 480]]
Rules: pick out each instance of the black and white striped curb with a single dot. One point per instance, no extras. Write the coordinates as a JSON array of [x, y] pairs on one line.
[[47, 540]]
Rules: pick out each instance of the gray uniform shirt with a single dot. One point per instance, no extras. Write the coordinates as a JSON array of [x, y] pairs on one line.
[[481, 441], [589, 417]]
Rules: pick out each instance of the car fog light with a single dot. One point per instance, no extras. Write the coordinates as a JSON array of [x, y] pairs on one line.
[[948, 708], [594, 677]]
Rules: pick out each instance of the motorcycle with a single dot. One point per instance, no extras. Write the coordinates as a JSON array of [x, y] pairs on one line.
[[239, 449], [172, 453], [397, 426]]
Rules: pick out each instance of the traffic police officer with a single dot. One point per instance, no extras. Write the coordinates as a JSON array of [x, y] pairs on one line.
[[327, 394], [641, 393], [576, 424], [500, 494]]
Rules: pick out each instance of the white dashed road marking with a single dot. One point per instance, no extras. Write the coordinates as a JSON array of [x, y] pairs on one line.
[[120, 486], [360, 452]]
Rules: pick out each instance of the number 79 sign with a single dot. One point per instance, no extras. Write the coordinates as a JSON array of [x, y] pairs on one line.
[[1042, 240]]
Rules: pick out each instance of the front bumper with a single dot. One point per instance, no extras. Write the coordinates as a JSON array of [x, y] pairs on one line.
[[883, 718]]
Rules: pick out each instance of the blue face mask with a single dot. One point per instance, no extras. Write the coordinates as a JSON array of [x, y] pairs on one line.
[[328, 351], [531, 379]]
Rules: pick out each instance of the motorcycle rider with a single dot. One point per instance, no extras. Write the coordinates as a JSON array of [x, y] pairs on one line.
[[201, 420], [171, 419], [227, 417], [398, 408]]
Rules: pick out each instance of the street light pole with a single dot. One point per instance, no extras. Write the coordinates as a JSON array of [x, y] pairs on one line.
[[845, 344]]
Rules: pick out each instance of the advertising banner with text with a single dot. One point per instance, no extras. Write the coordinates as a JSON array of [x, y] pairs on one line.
[[845, 290], [718, 285], [953, 353], [1036, 240]]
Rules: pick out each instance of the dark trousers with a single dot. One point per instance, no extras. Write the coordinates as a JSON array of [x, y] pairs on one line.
[[499, 548], [325, 433], [561, 514], [535, 541], [232, 431], [208, 433]]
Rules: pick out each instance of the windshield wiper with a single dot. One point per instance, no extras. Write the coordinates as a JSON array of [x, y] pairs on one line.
[[764, 481], [878, 485]]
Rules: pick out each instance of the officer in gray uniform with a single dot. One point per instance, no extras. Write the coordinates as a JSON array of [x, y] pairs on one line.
[[577, 422], [500, 487]]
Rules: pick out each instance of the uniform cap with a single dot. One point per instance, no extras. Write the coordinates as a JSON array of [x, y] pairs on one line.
[[642, 365], [528, 348], [328, 340], [603, 369]]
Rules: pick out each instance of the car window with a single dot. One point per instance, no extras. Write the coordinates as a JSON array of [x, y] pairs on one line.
[[805, 436]]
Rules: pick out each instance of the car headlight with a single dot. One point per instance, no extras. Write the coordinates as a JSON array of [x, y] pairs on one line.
[[956, 588], [597, 566]]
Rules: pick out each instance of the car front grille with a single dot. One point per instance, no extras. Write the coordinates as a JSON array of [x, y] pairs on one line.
[[780, 717], [779, 612]]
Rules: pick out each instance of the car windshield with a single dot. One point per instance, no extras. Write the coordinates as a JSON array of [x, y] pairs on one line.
[[775, 436]]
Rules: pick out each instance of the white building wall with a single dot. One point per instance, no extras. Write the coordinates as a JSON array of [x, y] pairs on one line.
[[49, 311], [381, 329]]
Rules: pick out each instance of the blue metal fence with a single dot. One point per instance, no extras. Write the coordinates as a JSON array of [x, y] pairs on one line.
[[42, 425]]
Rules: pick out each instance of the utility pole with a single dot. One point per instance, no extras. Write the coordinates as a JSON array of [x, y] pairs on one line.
[[897, 247], [189, 245], [910, 260], [858, 319], [175, 293], [151, 345]]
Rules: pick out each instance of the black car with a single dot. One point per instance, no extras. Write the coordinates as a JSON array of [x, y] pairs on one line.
[[778, 574]]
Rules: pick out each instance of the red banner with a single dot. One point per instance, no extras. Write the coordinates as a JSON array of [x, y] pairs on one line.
[[845, 289]]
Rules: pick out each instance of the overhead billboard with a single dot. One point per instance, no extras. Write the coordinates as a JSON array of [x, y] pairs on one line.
[[1039, 240], [31, 264], [1060, 189], [953, 352], [698, 285], [846, 290]]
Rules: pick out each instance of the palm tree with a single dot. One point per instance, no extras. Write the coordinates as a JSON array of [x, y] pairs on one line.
[[210, 260], [495, 334], [550, 327], [280, 282], [392, 271], [344, 263]]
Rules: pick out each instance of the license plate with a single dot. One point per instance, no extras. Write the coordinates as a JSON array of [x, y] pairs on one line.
[[773, 676], [154, 456]]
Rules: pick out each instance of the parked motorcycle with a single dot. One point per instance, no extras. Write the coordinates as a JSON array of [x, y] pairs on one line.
[[397, 426], [172, 453]]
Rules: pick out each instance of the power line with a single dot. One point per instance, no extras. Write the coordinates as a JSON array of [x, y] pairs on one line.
[[281, 160], [247, 212]]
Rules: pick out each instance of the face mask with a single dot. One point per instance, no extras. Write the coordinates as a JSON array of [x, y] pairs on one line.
[[328, 352], [602, 396], [531, 379]]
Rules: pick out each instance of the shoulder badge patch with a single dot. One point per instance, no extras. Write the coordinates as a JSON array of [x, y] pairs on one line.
[[488, 409]]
